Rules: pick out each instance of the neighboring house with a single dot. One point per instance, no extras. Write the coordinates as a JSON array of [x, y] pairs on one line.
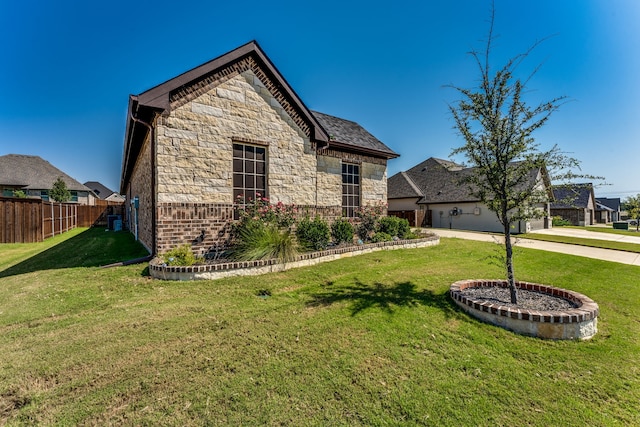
[[575, 203], [608, 206], [36, 176], [431, 193], [229, 130], [104, 193]]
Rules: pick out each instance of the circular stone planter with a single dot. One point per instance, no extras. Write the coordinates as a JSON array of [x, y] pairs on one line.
[[575, 323]]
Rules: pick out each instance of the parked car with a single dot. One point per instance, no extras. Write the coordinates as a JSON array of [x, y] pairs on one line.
[[632, 221]]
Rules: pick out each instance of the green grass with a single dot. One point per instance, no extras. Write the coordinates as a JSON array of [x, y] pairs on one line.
[[368, 340]]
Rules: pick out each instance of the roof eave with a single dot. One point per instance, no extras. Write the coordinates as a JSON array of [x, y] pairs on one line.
[[356, 149], [159, 97]]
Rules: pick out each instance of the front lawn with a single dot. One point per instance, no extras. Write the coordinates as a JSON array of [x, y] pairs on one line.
[[367, 340]]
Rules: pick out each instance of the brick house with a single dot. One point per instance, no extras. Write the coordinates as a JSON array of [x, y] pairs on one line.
[[431, 194], [575, 203], [234, 127]]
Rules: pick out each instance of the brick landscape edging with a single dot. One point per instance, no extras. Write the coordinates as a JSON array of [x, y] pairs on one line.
[[159, 270], [575, 323]]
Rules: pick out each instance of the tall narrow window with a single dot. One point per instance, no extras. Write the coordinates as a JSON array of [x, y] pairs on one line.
[[350, 189], [249, 171]]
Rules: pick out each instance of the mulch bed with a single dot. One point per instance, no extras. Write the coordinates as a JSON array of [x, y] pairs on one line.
[[530, 300]]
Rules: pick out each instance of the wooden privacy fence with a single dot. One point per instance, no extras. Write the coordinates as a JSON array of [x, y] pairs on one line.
[[34, 220]]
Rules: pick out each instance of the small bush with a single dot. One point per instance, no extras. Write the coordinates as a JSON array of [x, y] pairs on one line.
[[313, 235], [181, 255], [394, 226], [381, 236], [558, 221], [404, 230], [369, 216], [342, 231]]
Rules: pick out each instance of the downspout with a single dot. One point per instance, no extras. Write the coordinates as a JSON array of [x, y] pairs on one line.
[[153, 179]]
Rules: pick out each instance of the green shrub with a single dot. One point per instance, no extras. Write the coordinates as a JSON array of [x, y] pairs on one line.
[[369, 216], [558, 221], [404, 230], [342, 231], [313, 235], [381, 236], [256, 240], [388, 225], [181, 255], [394, 226]]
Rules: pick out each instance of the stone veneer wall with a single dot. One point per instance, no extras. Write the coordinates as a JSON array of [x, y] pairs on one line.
[[373, 177], [195, 145]]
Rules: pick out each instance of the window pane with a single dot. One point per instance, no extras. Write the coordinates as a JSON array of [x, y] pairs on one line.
[[350, 188], [249, 166], [249, 171]]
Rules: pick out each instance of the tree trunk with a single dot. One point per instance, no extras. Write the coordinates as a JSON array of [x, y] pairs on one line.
[[509, 263]]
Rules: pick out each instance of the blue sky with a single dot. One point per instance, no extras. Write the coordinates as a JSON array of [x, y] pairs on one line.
[[68, 67]]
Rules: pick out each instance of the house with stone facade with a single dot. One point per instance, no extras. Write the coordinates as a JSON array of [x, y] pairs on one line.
[[234, 129], [34, 176], [432, 194]]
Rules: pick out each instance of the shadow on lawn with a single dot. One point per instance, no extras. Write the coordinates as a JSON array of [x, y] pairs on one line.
[[92, 248], [380, 296]]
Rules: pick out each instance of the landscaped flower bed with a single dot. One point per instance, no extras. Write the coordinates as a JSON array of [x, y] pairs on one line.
[[159, 270], [267, 238]]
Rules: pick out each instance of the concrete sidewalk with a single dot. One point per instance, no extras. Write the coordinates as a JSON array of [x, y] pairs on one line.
[[584, 251], [586, 234]]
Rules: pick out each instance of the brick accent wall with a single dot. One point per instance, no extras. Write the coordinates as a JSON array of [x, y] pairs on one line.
[[206, 226]]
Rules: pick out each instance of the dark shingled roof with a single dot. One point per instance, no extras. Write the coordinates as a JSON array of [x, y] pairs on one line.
[[572, 196], [100, 190], [33, 173], [345, 134], [437, 181], [400, 186], [612, 203]]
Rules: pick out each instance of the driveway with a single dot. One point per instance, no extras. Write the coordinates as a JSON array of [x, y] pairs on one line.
[[584, 251]]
